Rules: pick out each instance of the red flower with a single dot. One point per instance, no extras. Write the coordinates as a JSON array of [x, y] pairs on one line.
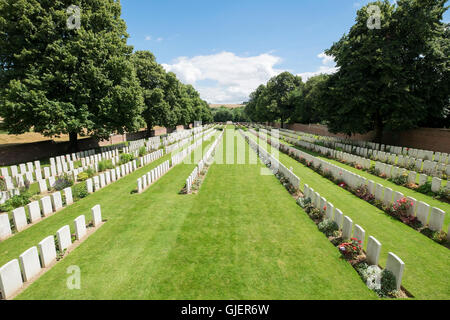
[[325, 208]]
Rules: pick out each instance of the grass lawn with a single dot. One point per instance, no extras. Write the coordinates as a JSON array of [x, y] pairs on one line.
[[241, 237], [427, 273]]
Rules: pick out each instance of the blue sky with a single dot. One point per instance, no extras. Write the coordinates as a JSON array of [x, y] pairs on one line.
[[227, 48]]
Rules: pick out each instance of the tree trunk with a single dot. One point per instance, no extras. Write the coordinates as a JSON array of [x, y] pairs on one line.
[[378, 130], [73, 142], [149, 130]]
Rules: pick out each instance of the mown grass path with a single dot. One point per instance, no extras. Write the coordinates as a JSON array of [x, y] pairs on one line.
[[241, 237], [427, 272]]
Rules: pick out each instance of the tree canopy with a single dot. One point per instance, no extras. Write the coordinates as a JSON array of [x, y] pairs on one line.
[[393, 77], [60, 77], [59, 80]]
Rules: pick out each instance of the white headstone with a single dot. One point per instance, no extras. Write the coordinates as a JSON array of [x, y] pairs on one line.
[[64, 238], [46, 205], [338, 217], [387, 196], [68, 196], [20, 218], [29, 262], [347, 228], [47, 251], [330, 210], [396, 266], [373, 251], [360, 234], [10, 279], [423, 210], [80, 227], [57, 201], [437, 218], [43, 186], [96, 215], [5, 226], [89, 186], [35, 211]]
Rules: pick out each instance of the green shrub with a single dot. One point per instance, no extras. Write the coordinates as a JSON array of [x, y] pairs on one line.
[[142, 151], [82, 176], [105, 165], [90, 172], [80, 191], [388, 284], [400, 180], [425, 189], [328, 227], [125, 158], [15, 202], [63, 182]]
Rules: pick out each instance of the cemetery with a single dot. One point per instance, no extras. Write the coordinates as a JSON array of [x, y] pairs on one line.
[[359, 247], [225, 173]]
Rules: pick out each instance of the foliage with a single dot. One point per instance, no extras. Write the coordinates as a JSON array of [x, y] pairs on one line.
[[400, 179], [425, 189], [125, 158], [142, 151], [351, 249], [80, 191], [364, 193], [276, 100], [16, 201], [388, 284], [167, 101], [2, 183], [82, 176], [63, 182], [105, 165], [329, 227], [90, 172], [390, 78], [57, 80]]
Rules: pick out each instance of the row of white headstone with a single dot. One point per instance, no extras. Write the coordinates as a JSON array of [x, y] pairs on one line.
[[15, 273], [275, 165], [180, 156], [152, 176], [57, 169], [398, 150], [53, 203], [390, 171], [194, 174], [422, 161], [345, 224], [434, 218], [37, 210]]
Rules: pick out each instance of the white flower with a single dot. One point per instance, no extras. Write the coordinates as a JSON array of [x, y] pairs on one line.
[[373, 277]]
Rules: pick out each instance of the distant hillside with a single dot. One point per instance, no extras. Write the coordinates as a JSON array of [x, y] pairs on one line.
[[230, 106]]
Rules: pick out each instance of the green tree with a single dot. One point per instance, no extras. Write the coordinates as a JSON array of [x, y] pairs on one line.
[[384, 74], [57, 80], [309, 100], [152, 78]]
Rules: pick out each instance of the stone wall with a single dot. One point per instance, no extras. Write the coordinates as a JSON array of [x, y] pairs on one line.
[[433, 139]]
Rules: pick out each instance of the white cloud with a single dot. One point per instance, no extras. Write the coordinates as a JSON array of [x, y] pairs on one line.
[[160, 39], [148, 38], [232, 77], [328, 67]]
